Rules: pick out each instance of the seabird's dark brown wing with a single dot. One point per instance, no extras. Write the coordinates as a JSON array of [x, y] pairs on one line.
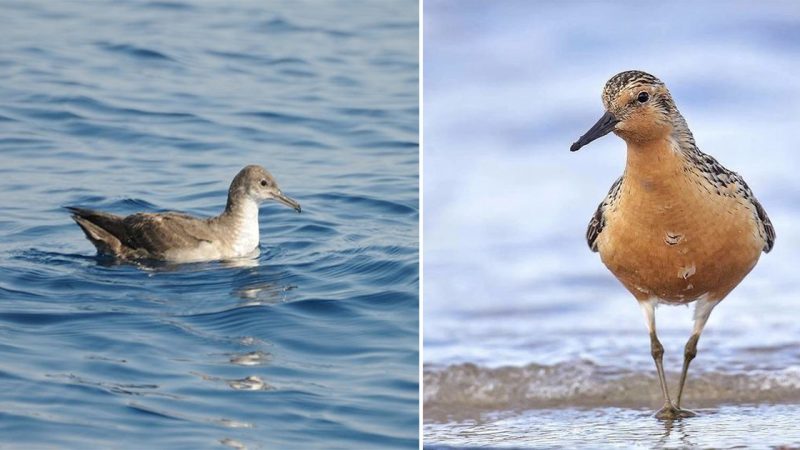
[[101, 229], [142, 235], [109, 222], [157, 233], [597, 222]]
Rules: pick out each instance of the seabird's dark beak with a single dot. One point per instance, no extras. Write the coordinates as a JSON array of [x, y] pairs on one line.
[[287, 201], [603, 126]]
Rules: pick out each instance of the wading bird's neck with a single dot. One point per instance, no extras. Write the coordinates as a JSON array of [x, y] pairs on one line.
[[681, 134], [654, 163], [658, 161]]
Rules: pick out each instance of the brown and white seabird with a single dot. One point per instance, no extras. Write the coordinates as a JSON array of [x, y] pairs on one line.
[[177, 237]]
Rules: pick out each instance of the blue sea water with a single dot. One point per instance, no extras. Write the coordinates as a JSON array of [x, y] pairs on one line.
[[529, 340], [130, 106]]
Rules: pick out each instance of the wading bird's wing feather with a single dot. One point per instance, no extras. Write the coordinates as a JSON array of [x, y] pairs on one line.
[[721, 177], [598, 221], [769, 230]]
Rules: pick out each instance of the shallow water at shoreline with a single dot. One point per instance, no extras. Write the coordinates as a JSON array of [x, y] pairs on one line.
[[740, 426]]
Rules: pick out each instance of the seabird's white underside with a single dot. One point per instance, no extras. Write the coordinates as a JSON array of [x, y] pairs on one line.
[[241, 241]]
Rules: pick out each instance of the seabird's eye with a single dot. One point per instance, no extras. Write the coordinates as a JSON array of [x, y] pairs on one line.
[[263, 182], [643, 97]]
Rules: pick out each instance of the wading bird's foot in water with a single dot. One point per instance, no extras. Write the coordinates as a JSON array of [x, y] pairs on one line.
[[670, 412]]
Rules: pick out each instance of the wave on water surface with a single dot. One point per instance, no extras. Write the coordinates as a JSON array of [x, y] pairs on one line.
[[470, 389]]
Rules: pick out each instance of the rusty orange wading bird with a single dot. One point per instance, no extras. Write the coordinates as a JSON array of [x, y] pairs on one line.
[[676, 227]]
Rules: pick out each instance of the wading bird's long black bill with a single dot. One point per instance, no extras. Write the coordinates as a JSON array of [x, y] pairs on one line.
[[603, 126]]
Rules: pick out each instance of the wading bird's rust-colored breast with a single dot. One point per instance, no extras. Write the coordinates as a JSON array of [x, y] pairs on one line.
[[674, 234]]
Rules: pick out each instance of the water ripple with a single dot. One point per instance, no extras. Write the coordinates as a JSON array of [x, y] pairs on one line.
[[134, 51]]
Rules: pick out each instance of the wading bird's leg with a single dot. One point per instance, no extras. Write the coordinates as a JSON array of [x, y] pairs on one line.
[[668, 411], [702, 311]]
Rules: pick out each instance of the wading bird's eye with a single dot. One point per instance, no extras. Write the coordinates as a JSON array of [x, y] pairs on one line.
[[263, 182], [643, 97]]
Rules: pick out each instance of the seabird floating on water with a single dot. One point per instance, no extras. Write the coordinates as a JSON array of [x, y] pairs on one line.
[[177, 237]]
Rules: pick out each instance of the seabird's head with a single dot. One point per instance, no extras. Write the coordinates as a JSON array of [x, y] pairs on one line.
[[639, 108], [259, 185]]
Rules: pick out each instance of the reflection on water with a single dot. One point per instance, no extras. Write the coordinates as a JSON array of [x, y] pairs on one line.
[[233, 443], [263, 293], [760, 426], [255, 358], [251, 383]]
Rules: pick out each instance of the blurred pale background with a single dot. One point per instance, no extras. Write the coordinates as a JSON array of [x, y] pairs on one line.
[[509, 280]]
